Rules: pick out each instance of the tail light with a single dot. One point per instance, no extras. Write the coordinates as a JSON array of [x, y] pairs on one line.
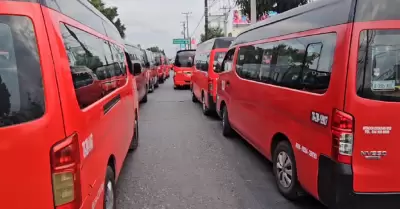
[[65, 173], [210, 85], [342, 136]]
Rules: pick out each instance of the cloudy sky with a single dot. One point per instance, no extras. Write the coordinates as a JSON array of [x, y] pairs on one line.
[[157, 22]]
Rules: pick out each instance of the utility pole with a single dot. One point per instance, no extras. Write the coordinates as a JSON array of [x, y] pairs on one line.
[[206, 19], [187, 28], [253, 11], [184, 31], [226, 16]]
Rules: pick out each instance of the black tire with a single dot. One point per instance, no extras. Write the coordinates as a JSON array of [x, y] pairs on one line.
[[109, 193], [226, 126], [204, 108], [293, 190], [135, 138], [151, 88], [144, 100], [194, 99]]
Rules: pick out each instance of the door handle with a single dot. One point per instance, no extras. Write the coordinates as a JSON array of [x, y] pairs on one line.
[[227, 83]]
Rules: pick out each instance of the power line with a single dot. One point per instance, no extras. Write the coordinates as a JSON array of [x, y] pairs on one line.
[[198, 24]]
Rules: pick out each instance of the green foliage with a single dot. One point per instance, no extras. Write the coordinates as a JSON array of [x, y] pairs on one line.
[[268, 5], [156, 49], [111, 13], [213, 32]]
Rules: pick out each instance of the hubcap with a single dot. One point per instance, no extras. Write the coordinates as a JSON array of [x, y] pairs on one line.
[[109, 196], [284, 169]]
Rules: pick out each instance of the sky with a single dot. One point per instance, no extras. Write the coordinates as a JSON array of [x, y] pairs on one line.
[[156, 22]]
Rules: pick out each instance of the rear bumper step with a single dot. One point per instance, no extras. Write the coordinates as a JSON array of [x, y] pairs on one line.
[[335, 189]]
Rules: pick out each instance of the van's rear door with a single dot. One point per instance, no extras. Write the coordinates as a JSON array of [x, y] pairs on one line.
[[30, 115], [373, 98]]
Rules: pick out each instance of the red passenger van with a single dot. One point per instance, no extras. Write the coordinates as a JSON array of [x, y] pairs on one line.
[[183, 67], [160, 65], [209, 56], [142, 76], [316, 90], [68, 107], [153, 74]]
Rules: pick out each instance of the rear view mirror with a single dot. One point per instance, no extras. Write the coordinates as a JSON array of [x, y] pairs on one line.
[[137, 69], [217, 68]]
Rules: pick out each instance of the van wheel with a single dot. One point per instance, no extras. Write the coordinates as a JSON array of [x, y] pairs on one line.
[[194, 99], [204, 107], [151, 88], [226, 126], [285, 171], [144, 99], [109, 199], [156, 85], [135, 139]]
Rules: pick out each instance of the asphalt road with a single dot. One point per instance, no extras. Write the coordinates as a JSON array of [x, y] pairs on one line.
[[184, 162]]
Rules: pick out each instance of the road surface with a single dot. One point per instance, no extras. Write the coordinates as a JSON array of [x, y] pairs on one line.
[[184, 162]]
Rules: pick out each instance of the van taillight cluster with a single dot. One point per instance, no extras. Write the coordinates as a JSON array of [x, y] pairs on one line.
[[343, 136], [65, 173]]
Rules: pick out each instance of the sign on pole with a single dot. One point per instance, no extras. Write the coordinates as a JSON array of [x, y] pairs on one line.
[[180, 41]]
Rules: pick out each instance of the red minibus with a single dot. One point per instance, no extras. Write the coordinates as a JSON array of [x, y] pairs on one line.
[[315, 90], [167, 67], [141, 77], [209, 56], [160, 65], [151, 64], [183, 67], [68, 105]]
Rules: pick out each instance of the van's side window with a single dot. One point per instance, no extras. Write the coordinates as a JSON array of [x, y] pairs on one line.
[[94, 65], [248, 63], [21, 85], [265, 68], [226, 65]]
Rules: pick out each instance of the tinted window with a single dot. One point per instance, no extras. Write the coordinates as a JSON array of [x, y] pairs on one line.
[[222, 43], [21, 87], [301, 63], [226, 65], [378, 75], [184, 59], [249, 62], [97, 66]]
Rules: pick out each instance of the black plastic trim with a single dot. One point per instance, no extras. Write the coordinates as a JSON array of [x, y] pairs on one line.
[[110, 104]]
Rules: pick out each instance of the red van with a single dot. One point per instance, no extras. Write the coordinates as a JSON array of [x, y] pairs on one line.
[[68, 105], [209, 56], [143, 75], [150, 63], [160, 65], [315, 90], [183, 67]]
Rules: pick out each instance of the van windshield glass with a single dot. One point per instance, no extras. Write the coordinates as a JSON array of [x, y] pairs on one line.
[[378, 75], [184, 59], [219, 57]]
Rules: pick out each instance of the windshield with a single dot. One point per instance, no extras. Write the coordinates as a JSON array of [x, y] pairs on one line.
[[184, 59], [379, 65], [219, 57]]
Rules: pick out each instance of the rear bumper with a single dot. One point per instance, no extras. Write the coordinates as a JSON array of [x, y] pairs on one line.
[[335, 189], [181, 80]]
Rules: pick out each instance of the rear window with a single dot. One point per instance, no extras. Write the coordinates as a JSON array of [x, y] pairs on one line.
[[222, 43], [21, 87], [378, 74], [184, 58]]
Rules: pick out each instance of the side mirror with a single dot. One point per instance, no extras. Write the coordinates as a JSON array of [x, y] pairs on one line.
[[137, 69]]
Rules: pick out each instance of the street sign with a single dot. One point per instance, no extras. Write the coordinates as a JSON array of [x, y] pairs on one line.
[[180, 41]]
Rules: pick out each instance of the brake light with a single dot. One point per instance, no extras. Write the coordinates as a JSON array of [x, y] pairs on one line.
[[65, 173], [342, 136]]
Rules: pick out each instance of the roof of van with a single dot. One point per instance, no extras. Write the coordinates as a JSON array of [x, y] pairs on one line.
[[290, 13]]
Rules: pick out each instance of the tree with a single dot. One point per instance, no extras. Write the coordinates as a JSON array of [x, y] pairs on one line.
[[263, 6], [156, 49], [111, 13], [213, 32]]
